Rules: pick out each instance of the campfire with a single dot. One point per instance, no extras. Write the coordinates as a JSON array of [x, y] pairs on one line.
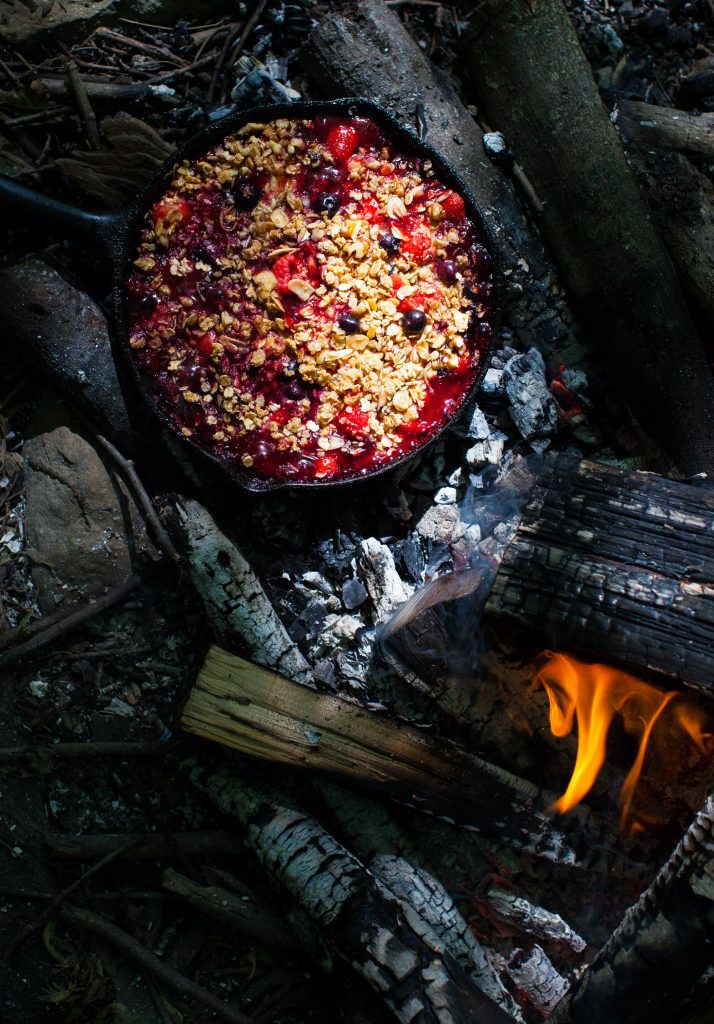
[[371, 678]]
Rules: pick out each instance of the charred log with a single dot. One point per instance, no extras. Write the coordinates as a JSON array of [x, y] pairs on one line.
[[385, 941], [661, 948], [594, 220], [609, 560]]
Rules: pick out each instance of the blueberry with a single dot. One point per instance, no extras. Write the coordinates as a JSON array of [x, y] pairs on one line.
[[295, 391], [327, 202], [202, 254], [389, 243], [245, 193], [146, 304], [414, 321], [446, 271], [349, 323]]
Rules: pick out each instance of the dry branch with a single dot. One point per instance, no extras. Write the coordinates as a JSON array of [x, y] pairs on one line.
[[266, 716], [362, 49], [519, 55], [605, 559], [387, 943], [235, 601], [662, 947], [138, 846]]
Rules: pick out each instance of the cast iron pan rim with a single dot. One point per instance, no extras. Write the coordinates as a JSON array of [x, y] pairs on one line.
[[408, 140]]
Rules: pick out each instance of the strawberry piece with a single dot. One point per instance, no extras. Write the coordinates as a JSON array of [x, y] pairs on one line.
[[302, 264], [326, 465], [353, 422], [417, 245], [176, 211], [343, 141], [419, 300], [205, 344], [453, 205]]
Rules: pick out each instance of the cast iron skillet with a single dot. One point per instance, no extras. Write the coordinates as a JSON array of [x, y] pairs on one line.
[[115, 236]]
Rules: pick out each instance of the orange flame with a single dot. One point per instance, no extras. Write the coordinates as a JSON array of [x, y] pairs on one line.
[[594, 694]]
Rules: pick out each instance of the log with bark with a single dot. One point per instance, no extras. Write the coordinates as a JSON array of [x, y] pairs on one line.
[[662, 947], [535, 85], [614, 565], [383, 939]]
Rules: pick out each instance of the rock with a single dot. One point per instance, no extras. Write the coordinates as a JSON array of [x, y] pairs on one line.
[[354, 593], [492, 382], [478, 428], [439, 523], [531, 405], [446, 496], [79, 536], [485, 453], [30, 23]]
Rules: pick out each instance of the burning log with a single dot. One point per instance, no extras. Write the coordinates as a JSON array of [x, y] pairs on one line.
[[385, 941], [266, 716], [419, 890], [594, 219], [606, 560], [362, 49], [662, 947], [542, 924], [536, 978], [233, 596]]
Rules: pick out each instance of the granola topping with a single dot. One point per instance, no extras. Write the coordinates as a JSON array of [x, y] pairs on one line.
[[308, 302]]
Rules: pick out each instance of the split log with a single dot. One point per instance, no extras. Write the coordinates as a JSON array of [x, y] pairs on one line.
[[662, 947], [235, 601], [535, 85], [609, 562], [360, 48], [385, 941], [44, 316], [266, 716]]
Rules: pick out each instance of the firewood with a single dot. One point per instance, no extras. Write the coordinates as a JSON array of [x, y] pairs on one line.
[[662, 946], [524, 916], [518, 55], [419, 890], [266, 716], [614, 565], [234, 598], [384, 940], [536, 978], [666, 127], [362, 49]]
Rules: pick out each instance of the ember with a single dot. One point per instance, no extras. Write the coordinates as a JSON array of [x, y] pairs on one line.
[[595, 694]]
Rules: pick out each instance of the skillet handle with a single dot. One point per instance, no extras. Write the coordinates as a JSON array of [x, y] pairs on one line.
[[24, 206]]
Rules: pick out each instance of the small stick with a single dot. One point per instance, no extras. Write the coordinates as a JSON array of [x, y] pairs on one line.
[[155, 844], [160, 79], [65, 624], [10, 73], [150, 962], [89, 119], [16, 755], [37, 118], [128, 466], [24, 934]]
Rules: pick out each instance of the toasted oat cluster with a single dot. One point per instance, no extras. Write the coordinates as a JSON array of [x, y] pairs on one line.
[[308, 302]]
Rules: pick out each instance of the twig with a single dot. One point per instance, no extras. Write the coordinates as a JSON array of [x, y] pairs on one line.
[[137, 44], [162, 78], [89, 119], [33, 926], [63, 625], [10, 74], [16, 755], [234, 51], [158, 844], [128, 466], [37, 118], [150, 962]]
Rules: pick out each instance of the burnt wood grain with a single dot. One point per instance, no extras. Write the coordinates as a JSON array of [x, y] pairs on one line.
[[617, 566]]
